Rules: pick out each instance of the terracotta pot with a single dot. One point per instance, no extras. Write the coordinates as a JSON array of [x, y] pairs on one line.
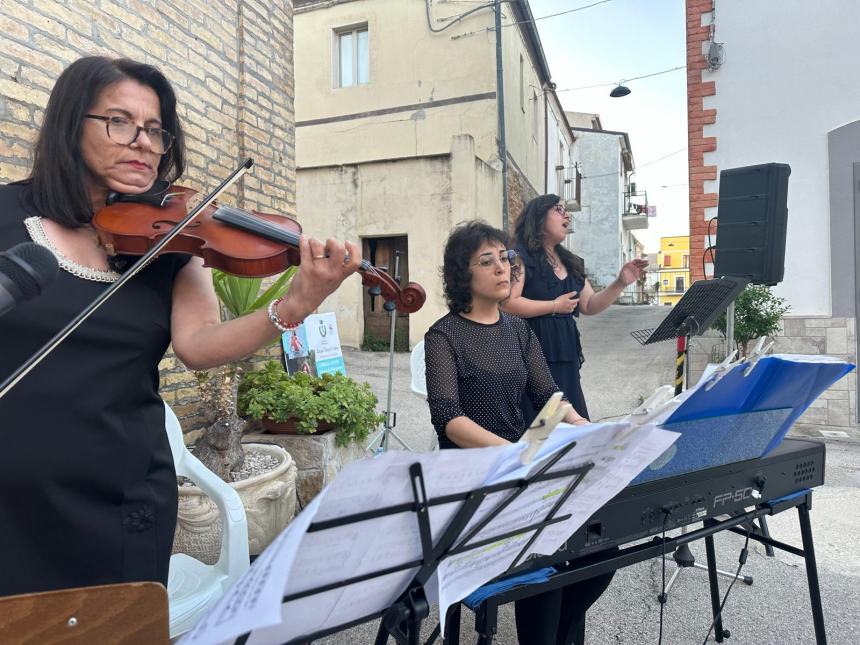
[[290, 427]]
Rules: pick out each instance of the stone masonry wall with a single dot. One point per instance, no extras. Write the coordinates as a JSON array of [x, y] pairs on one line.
[[230, 63], [799, 335]]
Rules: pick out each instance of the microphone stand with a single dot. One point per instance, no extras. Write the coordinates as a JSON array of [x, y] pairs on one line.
[[52, 344], [387, 431]]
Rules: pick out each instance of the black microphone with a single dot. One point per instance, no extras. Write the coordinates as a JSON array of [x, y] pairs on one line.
[[25, 271]]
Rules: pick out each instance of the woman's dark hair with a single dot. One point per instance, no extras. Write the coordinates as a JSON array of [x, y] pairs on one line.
[[57, 187], [464, 240], [529, 232]]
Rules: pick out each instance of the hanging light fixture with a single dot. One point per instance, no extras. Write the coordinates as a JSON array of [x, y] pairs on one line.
[[620, 90]]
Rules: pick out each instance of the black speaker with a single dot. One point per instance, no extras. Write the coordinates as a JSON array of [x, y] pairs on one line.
[[752, 215]]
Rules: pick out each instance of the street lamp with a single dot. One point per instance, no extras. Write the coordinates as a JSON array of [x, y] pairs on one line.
[[619, 91]]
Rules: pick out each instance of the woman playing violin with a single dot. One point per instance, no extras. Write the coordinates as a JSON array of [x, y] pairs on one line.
[[88, 487]]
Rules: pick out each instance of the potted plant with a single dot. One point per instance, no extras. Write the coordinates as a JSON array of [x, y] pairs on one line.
[[263, 475], [757, 314], [305, 404]]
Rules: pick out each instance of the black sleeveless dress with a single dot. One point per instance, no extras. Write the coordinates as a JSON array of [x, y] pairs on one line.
[[558, 335], [87, 485]]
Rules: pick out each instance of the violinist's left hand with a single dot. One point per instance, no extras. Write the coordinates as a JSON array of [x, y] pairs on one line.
[[322, 269]]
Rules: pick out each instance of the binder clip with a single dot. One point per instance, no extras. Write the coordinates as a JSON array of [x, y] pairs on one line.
[[545, 422]]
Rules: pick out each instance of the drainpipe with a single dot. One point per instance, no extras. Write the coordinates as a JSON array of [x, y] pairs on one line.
[[500, 100], [546, 143]]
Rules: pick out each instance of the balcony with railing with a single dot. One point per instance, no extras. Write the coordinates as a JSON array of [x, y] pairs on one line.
[[636, 209], [569, 180]]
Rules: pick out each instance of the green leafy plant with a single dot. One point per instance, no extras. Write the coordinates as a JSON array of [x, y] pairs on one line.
[[241, 296], [757, 314], [349, 406], [220, 446]]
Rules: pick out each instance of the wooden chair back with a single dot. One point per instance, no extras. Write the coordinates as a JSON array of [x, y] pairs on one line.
[[130, 613]]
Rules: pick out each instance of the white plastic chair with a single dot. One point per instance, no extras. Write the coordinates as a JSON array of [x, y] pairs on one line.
[[416, 367], [192, 586]]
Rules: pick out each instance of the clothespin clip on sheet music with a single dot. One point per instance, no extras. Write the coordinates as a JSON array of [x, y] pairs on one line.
[[545, 422], [722, 369], [760, 351], [652, 406]]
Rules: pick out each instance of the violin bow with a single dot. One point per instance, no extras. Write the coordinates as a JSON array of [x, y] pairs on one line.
[[13, 379]]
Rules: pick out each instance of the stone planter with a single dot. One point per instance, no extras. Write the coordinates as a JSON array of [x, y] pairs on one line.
[[269, 500], [318, 458]]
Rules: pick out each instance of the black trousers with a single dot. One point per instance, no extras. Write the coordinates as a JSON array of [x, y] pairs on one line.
[[558, 617]]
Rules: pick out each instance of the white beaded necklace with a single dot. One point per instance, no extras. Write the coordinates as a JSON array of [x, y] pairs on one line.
[[40, 237]]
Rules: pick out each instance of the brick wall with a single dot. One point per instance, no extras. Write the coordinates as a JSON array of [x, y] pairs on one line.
[[230, 63], [520, 193], [698, 144]]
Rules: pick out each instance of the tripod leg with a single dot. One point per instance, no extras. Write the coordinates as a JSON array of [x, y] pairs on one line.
[[486, 621], [381, 634], [811, 573], [747, 580], [719, 632], [452, 626], [664, 595]]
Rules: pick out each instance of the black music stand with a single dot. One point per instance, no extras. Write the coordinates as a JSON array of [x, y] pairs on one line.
[[695, 312], [402, 620]]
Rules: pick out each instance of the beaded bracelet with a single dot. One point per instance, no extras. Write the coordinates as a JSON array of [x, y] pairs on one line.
[[276, 320]]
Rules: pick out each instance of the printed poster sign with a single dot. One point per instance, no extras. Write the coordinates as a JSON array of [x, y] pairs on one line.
[[314, 346]]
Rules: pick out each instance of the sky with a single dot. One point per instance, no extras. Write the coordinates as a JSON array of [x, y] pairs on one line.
[[618, 40]]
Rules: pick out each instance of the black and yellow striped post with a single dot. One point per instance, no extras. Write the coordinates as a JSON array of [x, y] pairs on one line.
[[679, 364]]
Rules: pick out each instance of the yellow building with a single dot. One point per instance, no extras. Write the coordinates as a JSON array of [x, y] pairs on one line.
[[673, 261]]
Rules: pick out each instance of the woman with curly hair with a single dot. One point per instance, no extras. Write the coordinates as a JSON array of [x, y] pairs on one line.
[[480, 362], [554, 289]]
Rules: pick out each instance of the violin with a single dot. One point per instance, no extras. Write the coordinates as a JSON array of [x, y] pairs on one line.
[[232, 240]]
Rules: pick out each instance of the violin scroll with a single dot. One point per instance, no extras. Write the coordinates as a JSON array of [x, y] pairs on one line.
[[407, 300]]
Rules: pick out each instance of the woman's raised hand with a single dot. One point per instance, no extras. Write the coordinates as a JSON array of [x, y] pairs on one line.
[[632, 271]]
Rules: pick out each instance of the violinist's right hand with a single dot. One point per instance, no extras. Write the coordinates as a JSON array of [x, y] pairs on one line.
[[322, 269]]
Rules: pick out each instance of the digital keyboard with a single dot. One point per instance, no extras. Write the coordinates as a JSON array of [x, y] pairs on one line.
[[637, 511]]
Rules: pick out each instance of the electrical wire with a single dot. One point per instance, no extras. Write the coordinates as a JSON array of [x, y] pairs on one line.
[[741, 561], [621, 82], [647, 163], [523, 22], [710, 248], [456, 19]]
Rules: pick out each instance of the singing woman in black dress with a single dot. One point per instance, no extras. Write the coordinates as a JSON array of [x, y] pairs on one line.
[[554, 290], [87, 487]]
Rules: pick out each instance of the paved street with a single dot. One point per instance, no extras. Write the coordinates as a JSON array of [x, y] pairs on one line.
[[773, 611]]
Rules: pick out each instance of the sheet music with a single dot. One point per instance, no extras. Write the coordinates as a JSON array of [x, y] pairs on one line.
[[298, 561], [618, 452]]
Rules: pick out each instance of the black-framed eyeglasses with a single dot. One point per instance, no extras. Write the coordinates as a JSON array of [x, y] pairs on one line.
[[560, 209], [486, 260], [125, 132]]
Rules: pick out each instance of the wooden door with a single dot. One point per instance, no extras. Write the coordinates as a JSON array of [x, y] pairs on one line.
[[382, 252]]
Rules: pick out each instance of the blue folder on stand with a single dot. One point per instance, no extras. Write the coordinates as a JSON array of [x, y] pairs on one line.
[[743, 413]]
